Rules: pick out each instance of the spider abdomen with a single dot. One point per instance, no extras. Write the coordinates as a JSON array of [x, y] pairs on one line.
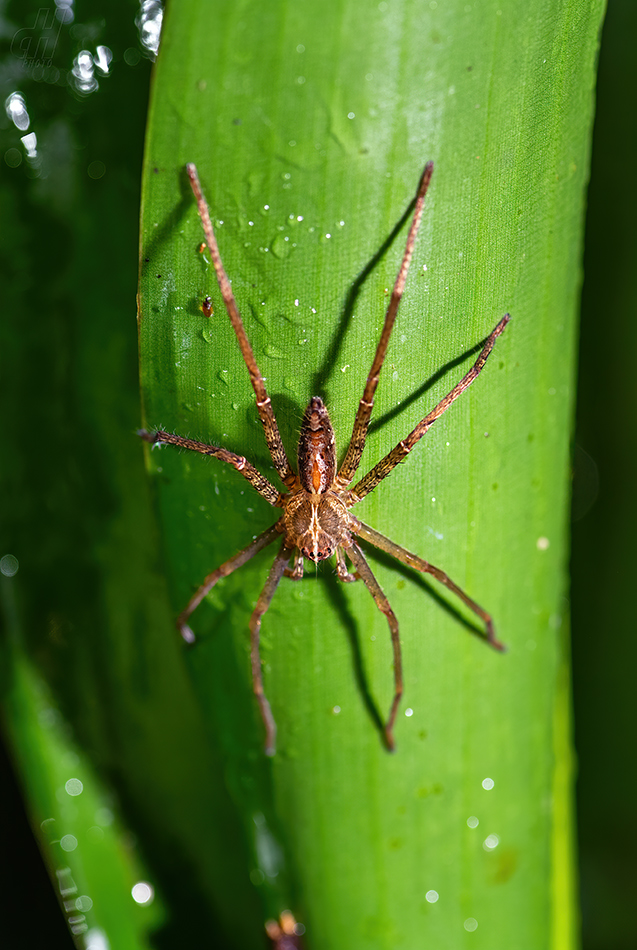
[[316, 451]]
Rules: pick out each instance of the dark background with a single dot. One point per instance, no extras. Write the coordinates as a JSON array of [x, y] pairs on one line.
[[604, 562], [604, 502]]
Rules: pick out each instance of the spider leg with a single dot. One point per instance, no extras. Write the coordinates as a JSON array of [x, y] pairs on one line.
[[363, 570], [238, 560], [412, 560], [276, 573], [341, 567], [264, 405], [363, 414], [297, 571], [249, 472], [382, 469]]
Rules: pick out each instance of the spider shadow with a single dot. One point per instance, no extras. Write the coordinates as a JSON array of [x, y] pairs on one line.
[[424, 387], [169, 227], [332, 355], [337, 595], [382, 557]]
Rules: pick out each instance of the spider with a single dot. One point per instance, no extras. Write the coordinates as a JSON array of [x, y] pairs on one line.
[[316, 522]]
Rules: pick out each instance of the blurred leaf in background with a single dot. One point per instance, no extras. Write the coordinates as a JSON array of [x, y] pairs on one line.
[[83, 594]]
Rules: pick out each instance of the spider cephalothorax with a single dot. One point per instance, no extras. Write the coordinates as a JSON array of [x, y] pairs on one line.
[[316, 522]]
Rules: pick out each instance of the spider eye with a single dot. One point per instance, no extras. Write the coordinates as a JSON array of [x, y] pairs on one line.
[[317, 549]]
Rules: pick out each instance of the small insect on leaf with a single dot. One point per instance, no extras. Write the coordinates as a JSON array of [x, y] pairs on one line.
[[206, 307], [316, 501]]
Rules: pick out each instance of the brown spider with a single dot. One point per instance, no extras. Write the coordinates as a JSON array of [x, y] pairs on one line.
[[316, 520]]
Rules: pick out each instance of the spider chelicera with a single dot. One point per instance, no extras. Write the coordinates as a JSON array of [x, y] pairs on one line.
[[317, 522]]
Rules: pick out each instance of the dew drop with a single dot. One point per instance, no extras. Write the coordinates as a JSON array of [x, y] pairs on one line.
[[280, 247]]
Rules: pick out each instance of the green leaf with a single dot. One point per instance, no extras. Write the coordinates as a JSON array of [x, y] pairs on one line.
[[310, 127]]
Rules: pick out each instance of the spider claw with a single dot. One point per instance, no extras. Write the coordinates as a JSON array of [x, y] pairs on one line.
[[186, 632], [270, 737], [150, 437], [146, 436], [293, 574], [493, 641], [348, 578]]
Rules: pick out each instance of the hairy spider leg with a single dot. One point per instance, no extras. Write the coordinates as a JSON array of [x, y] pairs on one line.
[[364, 571], [258, 481], [276, 573], [364, 411], [238, 560], [382, 469], [264, 404]]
